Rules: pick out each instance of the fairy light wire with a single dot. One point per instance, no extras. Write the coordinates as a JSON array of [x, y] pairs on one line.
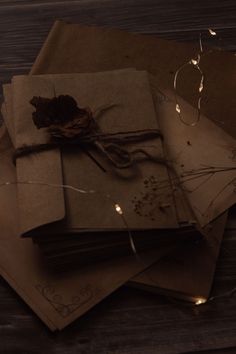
[[116, 206], [194, 62], [227, 294]]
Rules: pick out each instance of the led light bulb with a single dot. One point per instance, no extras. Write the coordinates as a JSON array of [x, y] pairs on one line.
[[200, 301], [213, 33], [200, 86], [118, 209], [177, 108], [194, 61]]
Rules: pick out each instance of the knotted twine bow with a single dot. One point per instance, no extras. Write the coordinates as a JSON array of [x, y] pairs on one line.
[[69, 125]]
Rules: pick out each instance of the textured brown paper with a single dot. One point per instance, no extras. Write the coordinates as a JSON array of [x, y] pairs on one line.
[[188, 272], [104, 49], [192, 151], [124, 89], [78, 48], [8, 105], [56, 299]]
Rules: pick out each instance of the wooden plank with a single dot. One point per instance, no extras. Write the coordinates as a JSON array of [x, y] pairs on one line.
[[25, 24]]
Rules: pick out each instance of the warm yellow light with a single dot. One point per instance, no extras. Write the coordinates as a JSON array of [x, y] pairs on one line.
[[194, 61], [201, 86], [200, 301], [177, 108], [118, 209], [213, 33]]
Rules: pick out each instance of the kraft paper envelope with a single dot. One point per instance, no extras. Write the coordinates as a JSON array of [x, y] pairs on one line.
[[78, 48], [58, 299], [103, 48], [183, 212], [100, 40], [124, 89], [48, 292], [208, 265], [187, 273], [93, 38], [125, 189], [202, 157]]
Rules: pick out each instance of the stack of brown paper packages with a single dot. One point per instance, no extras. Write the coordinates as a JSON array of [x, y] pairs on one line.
[[156, 224]]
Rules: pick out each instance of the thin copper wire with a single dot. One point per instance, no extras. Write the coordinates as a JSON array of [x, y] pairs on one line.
[[195, 63], [115, 204], [120, 212], [191, 175]]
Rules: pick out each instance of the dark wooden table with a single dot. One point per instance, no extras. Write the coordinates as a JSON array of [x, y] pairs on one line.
[[130, 321]]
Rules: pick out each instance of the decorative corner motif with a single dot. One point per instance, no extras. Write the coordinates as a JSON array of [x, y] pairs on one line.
[[151, 202], [65, 308]]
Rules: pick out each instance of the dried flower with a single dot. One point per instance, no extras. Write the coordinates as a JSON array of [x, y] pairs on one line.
[[62, 116]]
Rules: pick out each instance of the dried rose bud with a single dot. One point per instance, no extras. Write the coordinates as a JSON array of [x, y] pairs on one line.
[[62, 116], [57, 110]]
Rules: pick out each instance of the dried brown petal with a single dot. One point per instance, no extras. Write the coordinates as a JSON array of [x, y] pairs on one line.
[[58, 110]]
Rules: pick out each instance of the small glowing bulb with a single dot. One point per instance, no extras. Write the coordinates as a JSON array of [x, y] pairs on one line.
[[213, 33], [200, 301], [118, 209], [200, 86], [177, 108], [194, 61]]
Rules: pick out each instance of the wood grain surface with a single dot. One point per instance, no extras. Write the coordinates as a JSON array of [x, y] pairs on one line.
[[130, 321]]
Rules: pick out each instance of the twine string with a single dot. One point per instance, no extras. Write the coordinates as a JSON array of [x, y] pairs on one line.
[[69, 125]]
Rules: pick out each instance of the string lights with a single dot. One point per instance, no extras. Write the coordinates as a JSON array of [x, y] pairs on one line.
[[227, 294], [118, 209], [114, 203], [200, 301], [195, 63]]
